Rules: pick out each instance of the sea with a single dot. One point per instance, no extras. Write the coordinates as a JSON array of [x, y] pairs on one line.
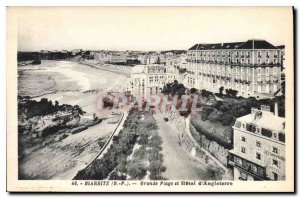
[[53, 76]]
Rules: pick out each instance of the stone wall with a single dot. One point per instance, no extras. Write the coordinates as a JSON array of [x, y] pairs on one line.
[[212, 147]]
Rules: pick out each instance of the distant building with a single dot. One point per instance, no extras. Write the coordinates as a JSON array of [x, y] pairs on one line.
[[183, 61], [259, 146], [104, 57], [75, 52], [119, 58], [252, 68], [143, 58]]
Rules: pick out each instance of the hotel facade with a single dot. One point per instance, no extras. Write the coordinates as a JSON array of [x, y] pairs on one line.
[[253, 68], [147, 80], [259, 146]]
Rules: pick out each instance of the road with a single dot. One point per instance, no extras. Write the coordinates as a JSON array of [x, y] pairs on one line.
[[179, 165]]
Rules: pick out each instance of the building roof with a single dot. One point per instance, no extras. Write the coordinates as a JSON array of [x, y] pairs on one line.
[[266, 120], [250, 44]]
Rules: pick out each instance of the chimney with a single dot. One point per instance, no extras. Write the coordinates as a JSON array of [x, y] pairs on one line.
[[265, 108], [254, 110], [276, 109]]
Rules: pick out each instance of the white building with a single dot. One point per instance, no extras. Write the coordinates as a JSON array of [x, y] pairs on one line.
[[253, 67], [150, 79], [259, 146]]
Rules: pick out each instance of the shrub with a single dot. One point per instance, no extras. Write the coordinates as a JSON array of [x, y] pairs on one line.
[[156, 168], [221, 89], [115, 176], [205, 112], [140, 153], [206, 93], [226, 119], [155, 141], [136, 170], [215, 116], [143, 140]]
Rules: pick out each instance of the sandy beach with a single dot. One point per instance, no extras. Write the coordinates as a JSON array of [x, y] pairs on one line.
[[69, 82], [75, 84]]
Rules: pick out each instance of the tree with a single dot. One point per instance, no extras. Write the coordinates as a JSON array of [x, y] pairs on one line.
[[221, 89], [193, 90], [136, 170]]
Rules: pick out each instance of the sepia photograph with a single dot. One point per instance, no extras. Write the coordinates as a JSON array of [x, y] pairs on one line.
[[150, 99]]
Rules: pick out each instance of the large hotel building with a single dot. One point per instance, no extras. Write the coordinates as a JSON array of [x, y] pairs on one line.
[[253, 68], [259, 146]]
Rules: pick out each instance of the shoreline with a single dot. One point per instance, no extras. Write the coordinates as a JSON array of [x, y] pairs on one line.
[[96, 66]]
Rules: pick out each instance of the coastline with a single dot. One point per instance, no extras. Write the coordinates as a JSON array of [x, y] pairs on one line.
[[112, 70]]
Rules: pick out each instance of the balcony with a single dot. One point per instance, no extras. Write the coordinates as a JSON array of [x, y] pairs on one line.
[[251, 168]]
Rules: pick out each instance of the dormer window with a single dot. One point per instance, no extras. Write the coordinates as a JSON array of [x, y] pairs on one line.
[[259, 54]]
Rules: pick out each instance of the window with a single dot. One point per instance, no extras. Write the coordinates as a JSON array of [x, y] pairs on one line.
[[258, 156], [275, 162], [248, 61], [151, 79], [275, 149], [243, 176], [259, 61], [275, 61], [243, 139], [258, 143], [243, 149]]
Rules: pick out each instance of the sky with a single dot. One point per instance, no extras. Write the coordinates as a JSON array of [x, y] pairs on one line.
[[151, 28]]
